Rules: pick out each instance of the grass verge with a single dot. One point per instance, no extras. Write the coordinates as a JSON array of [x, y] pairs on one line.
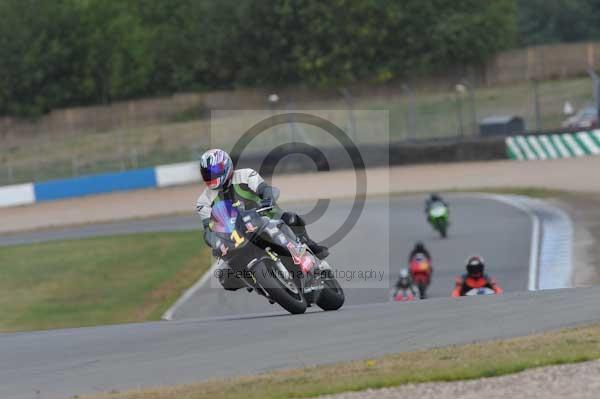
[[104, 280], [453, 363]]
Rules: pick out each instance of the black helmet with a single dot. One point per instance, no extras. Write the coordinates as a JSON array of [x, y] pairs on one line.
[[475, 266], [419, 246], [434, 197]]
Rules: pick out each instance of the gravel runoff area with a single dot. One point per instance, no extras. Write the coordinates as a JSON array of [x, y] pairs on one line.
[[572, 381], [579, 174]]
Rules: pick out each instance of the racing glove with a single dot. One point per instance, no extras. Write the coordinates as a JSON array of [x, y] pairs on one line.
[[266, 202], [219, 249], [268, 192]]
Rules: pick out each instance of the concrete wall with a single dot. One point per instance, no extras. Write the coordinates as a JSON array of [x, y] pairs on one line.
[[543, 63]]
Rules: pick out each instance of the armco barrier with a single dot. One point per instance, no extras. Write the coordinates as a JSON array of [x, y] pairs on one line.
[[188, 172], [160, 176], [553, 146], [179, 173], [95, 184], [19, 194]]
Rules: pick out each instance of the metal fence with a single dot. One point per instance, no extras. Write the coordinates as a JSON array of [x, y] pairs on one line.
[[53, 148]]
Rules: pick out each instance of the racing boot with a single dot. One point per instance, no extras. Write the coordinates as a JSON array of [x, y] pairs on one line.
[[296, 223], [320, 251]]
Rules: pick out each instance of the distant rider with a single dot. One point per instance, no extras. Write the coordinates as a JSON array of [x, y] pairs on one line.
[[248, 187], [419, 248], [433, 199], [405, 290], [475, 278], [421, 268]]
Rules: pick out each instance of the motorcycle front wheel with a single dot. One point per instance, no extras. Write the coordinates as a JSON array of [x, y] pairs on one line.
[[289, 298], [331, 297]]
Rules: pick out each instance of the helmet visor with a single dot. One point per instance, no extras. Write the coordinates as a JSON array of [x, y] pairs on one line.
[[475, 269], [213, 172]]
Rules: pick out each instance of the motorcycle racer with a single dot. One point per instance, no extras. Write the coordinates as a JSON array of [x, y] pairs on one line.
[[421, 272], [421, 269], [419, 248], [437, 213], [405, 290], [433, 199], [248, 187], [475, 278]]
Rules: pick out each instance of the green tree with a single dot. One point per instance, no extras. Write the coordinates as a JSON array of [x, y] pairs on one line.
[[346, 40], [117, 59], [555, 21], [41, 56], [75, 52]]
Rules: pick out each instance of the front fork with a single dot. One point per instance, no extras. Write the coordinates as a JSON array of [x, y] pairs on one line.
[[311, 281]]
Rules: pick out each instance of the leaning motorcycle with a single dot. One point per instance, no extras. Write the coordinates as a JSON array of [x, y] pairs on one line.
[[266, 255], [439, 218]]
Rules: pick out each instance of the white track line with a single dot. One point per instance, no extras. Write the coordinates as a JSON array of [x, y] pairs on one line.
[[556, 251], [168, 315]]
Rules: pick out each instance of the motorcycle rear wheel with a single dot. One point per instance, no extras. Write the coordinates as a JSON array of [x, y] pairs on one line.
[[295, 303], [444, 231], [422, 291]]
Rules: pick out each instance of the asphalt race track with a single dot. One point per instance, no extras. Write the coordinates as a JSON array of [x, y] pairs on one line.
[[386, 231], [63, 363], [246, 335], [379, 246]]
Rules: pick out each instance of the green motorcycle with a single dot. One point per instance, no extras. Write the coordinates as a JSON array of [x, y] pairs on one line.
[[439, 218]]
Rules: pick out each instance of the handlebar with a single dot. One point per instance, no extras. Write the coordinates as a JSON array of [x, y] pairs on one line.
[[263, 209]]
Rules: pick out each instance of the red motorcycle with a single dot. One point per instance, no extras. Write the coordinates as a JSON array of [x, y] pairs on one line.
[[420, 271]]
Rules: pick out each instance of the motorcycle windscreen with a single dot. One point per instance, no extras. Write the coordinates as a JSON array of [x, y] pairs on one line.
[[223, 217], [438, 211]]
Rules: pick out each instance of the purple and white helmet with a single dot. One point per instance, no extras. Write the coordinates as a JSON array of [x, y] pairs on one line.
[[216, 168]]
